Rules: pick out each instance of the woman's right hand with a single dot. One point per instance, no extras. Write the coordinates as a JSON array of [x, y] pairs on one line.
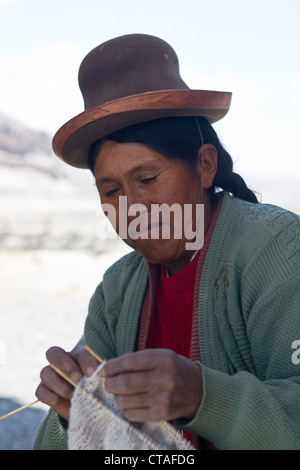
[[53, 389]]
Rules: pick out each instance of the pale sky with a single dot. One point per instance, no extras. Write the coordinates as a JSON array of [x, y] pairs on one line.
[[248, 47]]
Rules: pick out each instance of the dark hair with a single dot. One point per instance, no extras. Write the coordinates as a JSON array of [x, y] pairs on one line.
[[181, 138]]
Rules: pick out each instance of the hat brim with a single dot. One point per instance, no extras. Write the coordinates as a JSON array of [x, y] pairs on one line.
[[72, 141]]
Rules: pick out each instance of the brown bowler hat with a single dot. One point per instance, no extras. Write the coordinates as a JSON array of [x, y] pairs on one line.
[[125, 81]]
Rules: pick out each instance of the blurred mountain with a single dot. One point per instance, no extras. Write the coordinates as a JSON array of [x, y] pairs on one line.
[[44, 203], [17, 139], [21, 146]]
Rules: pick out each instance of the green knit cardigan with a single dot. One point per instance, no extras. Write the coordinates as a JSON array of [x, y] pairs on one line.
[[248, 319]]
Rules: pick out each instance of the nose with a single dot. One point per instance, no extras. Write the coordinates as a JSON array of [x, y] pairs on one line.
[[133, 197], [136, 198], [139, 208]]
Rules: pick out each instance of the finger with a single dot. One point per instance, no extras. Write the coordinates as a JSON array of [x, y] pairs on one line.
[[130, 383], [65, 362], [136, 361], [130, 402], [56, 384], [86, 361], [143, 414], [139, 415], [47, 396], [149, 406], [58, 404]]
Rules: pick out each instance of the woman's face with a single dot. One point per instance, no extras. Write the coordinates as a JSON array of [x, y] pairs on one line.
[[130, 174]]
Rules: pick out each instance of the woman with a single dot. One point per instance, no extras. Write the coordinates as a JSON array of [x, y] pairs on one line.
[[201, 337]]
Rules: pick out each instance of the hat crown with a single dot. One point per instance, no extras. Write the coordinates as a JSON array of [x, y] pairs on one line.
[[125, 81], [128, 65]]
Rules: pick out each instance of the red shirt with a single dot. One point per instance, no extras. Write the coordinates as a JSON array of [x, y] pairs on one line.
[[171, 321], [172, 315]]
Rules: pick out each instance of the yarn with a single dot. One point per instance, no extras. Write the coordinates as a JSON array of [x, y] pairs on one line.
[[97, 423]]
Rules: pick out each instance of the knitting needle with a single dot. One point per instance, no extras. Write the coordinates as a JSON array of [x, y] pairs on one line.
[[59, 372], [18, 409], [63, 375], [99, 359]]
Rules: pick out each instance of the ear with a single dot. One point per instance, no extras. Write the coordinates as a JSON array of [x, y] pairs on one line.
[[207, 164]]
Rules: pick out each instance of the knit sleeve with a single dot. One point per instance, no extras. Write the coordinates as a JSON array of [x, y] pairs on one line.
[[114, 310], [258, 410], [51, 434], [100, 325], [255, 404]]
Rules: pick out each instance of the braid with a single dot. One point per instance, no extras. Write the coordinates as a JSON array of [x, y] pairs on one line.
[[230, 181], [225, 177]]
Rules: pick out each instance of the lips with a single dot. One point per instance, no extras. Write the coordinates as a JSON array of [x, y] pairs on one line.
[[142, 227]]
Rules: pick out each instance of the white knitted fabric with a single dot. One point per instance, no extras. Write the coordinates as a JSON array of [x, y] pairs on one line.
[[97, 423]]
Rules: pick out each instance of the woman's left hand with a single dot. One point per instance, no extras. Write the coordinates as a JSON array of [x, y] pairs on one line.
[[154, 385]]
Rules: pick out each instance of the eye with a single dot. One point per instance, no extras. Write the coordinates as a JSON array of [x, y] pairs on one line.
[[110, 193], [148, 180]]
